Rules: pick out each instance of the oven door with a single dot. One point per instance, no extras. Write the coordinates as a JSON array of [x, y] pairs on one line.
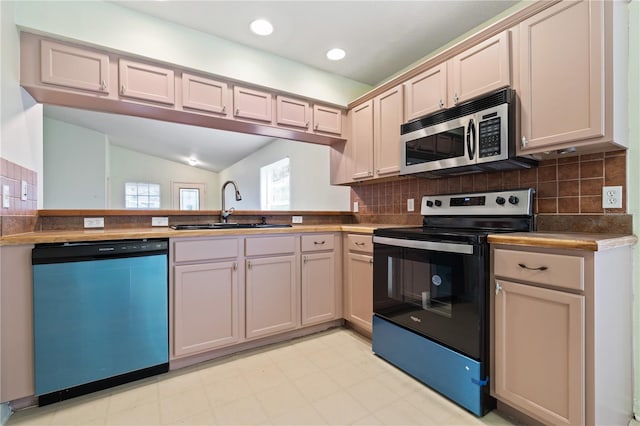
[[436, 289], [440, 146]]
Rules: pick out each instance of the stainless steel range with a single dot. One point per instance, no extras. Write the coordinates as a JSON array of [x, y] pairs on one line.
[[431, 291]]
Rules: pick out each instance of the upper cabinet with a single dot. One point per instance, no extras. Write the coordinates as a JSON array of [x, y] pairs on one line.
[[252, 104], [61, 73], [147, 82], [327, 119], [68, 66], [361, 140], [292, 112], [570, 76], [481, 69], [204, 94], [426, 92]]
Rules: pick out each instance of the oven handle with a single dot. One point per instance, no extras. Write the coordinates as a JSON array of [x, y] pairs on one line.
[[425, 245]]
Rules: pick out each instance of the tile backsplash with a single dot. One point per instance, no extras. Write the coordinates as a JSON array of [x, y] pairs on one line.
[[564, 186], [20, 215]]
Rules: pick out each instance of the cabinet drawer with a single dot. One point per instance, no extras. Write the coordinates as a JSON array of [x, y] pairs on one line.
[[317, 242], [199, 250], [542, 268], [270, 245], [363, 243]]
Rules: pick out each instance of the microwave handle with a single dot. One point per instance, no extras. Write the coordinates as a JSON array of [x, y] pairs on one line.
[[471, 139]]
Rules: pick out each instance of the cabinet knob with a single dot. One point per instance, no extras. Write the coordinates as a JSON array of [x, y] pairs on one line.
[[498, 287], [237, 111], [371, 261], [524, 142], [455, 98], [304, 260], [248, 264], [306, 124], [441, 104], [235, 266], [103, 85], [123, 89], [224, 108], [316, 126]]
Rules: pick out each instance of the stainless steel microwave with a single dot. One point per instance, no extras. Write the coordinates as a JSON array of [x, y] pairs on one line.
[[476, 136]]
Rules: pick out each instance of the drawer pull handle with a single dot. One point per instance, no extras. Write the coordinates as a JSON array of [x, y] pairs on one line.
[[540, 268], [359, 244], [318, 242]]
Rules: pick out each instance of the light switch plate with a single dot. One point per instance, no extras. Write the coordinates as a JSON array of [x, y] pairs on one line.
[[23, 190], [296, 219], [355, 207], [410, 205], [159, 221], [6, 192], [94, 222]]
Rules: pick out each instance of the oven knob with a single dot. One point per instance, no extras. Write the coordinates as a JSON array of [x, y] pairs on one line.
[[429, 203], [500, 200], [438, 203], [513, 199]]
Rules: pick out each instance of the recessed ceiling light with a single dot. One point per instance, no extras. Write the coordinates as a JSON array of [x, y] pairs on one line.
[[261, 27], [192, 161], [336, 54]]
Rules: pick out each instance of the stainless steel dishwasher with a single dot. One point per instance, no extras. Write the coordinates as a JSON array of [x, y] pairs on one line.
[[100, 315]]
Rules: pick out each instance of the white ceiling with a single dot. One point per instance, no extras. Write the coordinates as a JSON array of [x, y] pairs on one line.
[[380, 37]]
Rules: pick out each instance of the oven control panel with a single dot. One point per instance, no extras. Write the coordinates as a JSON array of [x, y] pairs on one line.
[[511, 202]]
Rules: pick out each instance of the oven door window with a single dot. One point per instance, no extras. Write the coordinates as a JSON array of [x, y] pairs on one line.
[[439, 295]]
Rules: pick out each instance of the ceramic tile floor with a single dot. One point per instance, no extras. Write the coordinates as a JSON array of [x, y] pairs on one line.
[[331, 378]]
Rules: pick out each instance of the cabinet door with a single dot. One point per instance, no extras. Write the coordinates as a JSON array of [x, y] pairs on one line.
[[252, 104], [271, 296], [318, 288], [292, 112], [204, 94], [540, 352], [72, 67], [387, 118], [426, 92], [359, 307], [362, 140], [146, 82], [327, 120], [481, 69], [561, 70], [206, 307]]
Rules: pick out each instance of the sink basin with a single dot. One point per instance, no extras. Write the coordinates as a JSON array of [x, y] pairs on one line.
[[231, 225]]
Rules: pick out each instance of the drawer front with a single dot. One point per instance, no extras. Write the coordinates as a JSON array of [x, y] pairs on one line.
[[270, 245], [317, 242], [541, 268], [363, 243], [199, 250]]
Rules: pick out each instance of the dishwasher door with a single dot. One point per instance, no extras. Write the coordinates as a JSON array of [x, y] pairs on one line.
[[100, 319]]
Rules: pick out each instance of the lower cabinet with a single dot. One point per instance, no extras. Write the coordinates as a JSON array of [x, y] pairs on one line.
[[206, 306], [271, 295], [561, 333], [320, 294], [358, 281]]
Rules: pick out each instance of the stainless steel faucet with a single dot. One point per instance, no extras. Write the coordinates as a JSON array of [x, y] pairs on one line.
[[224, 213]]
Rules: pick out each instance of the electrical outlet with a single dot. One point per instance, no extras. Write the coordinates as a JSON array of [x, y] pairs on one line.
[[296, 219], [94, 222], [159, 221], [410, 205], [611, 197], [355, 207]]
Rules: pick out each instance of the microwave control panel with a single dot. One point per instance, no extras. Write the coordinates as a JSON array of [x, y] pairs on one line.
[[489, 137]]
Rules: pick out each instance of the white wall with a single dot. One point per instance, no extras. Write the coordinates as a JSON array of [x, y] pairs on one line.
[[310, 177], [20, 116], [131, 166], [114, 27], [633, 177], [75, 170]]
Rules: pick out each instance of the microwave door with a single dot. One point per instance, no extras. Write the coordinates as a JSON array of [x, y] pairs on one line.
[[436, 147]]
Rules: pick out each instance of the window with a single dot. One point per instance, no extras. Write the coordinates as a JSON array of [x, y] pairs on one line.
[[142, 195], [274, 186]]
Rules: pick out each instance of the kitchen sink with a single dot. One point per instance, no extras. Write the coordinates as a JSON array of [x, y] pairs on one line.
[[231, 225]]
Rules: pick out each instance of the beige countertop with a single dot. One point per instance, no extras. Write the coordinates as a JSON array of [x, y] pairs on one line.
[[163, 232], [578, 241]]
